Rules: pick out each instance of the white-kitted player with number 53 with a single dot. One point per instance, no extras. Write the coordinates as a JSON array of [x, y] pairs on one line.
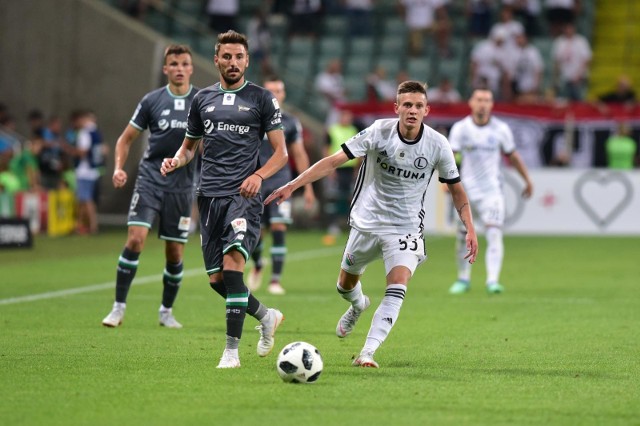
[[387, 211]]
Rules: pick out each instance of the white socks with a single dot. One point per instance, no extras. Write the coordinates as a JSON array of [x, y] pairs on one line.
[[355, 296], [495, 253], [385, 317]]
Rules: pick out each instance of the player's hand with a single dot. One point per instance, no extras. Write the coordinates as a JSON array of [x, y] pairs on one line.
[[527, 192], [119, 178], [169, 165], [309, 199], [251, 186], [472, 246], [279, 195]]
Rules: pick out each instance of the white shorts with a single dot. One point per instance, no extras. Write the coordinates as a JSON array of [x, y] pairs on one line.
[[395, 250], [489, 211]]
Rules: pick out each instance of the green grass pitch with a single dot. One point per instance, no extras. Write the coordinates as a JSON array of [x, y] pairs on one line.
[[560, 347]]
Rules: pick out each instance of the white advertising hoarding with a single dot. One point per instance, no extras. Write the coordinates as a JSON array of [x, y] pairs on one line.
[[565, 202]]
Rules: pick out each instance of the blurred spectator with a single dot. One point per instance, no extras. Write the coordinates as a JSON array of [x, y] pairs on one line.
[[444, 93], [359, 16], [488, 64], [622, 94], [571, 55], [222, 15], [402, 76], [510, 26], [36, 123], [526, 68], [528, 11], [50, 155], [90, 153], [479, 17], [259, 34], [621, 149], [305, 18], [379, 88], [560, 13], [425, 18], [339, 184], [8, 140], [9, 183], [330, 85], [24, 165]]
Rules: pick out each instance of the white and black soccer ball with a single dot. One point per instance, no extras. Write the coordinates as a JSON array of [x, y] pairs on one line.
[[299, 362]]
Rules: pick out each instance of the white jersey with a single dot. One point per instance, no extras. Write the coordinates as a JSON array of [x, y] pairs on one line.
[[481, 148], [392, 182]]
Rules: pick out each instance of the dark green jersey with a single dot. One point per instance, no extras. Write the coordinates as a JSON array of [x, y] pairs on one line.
[[165, 115], [231, 125]]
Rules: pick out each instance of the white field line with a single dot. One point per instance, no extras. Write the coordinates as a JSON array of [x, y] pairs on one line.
[[293, 257]]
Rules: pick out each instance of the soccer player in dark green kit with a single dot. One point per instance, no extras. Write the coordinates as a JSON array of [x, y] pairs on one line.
[[164, 112], [231, 117]]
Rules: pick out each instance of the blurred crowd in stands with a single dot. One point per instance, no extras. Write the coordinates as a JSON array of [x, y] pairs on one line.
[[53, 156]]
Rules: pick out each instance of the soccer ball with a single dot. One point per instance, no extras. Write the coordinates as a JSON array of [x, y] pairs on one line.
[[299, 362]]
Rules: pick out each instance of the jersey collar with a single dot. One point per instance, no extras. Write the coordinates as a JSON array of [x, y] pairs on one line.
[[234, 90], [413, 142], [173, 95]]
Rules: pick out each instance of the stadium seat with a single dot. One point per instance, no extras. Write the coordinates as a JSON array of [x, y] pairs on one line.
[[335, 25], [332, 46], [356, 88], [393, 46], [359, 65], [419, 68]]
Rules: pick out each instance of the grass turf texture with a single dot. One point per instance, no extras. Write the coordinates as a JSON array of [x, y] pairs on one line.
[[559, 347]]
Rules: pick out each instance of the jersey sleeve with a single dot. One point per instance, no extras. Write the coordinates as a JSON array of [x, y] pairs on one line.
[[360, 144], [447, 168], [195, 127], [140, 118], [508, 145], [271, 116]]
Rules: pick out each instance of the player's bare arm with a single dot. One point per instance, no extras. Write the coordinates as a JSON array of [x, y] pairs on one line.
[[251, 186], [461, 204], [184, 155], [516, 161], [129, 134], [301, 160], [319, 170]]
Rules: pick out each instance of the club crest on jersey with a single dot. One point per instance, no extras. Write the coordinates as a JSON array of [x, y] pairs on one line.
[[229, 99], [420, 163], [178, 104]]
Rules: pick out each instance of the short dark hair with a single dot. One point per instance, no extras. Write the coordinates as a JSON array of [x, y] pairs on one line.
[[232, 37], [412, 87], [271, 77], [176, 49]]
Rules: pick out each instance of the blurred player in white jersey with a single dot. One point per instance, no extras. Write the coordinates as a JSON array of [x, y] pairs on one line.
[[387, 211], [482, 140]]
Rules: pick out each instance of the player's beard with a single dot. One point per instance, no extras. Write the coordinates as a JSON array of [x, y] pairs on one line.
[[229, 81]]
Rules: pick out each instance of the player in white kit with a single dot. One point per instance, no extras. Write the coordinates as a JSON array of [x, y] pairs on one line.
[[482, 140], [387, 210]]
